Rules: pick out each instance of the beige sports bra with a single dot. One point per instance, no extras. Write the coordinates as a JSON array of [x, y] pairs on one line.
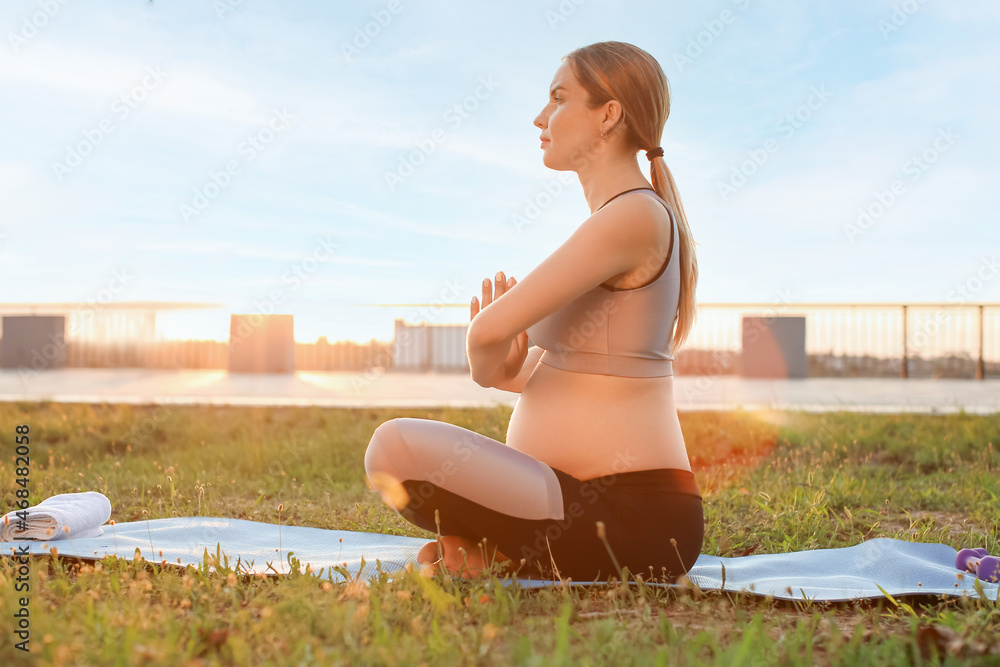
[[617, 331]]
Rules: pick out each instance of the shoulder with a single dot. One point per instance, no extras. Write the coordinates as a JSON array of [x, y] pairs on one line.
[[611, 241], [635, 219]]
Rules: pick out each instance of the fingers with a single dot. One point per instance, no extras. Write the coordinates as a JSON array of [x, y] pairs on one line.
[[487, 292], [503, 284], [491, 292]]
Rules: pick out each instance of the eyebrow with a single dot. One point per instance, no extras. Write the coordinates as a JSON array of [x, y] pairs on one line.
[[553, 91]]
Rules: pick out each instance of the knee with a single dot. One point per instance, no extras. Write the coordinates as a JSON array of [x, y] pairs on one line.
[[384, 443], [406, 448], [382, 464]]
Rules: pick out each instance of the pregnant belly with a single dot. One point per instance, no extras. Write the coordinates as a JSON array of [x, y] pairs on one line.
[[594, 425]]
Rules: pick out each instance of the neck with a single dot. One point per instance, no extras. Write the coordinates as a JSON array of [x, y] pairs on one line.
[[607, 175]]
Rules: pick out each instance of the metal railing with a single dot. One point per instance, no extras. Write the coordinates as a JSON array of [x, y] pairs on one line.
[[849, 339], [899, 336]]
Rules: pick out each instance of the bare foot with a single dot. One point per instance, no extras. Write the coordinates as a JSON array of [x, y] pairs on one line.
[[462, 557], [429, 553]]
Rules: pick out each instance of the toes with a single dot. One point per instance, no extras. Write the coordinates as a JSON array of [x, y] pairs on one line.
[[428, 553], [462, 557], [500, 558], [454, 559]]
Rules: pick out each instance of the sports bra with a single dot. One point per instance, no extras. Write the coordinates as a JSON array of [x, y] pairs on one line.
[[617, 331]]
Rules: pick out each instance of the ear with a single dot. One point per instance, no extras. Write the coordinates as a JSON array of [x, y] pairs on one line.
[[612, 112]]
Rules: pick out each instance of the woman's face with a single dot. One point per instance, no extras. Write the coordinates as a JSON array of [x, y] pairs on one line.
[[568, 127]]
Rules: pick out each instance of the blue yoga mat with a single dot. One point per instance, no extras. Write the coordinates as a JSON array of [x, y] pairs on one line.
[[901, 568]]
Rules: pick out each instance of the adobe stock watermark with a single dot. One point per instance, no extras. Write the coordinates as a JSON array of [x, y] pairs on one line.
[[901, 13], [705, 38], [959, 295], [463, 448], [466, 445], [538, 553], [552, 188], [534, 206], [363, 35], [41, 359], [32, 25], [224, 7], [249, 149], [563, 11], [988, 267], [141, 431], [451, 293], [122, 107], [596, 317], [724, 360], [454, 116], [915, 167], [294, 277], [787, 125]]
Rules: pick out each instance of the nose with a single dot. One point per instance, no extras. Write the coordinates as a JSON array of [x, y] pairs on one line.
[[540, 120]]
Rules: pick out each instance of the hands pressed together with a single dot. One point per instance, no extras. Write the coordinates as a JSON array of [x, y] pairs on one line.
[[518, 352]]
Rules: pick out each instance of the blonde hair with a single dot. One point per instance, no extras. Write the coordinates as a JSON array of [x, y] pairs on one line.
[[623, 72]]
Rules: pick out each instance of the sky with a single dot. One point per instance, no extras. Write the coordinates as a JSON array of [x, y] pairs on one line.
[[316, 157]]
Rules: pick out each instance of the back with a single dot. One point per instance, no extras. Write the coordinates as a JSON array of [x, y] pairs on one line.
[[625, 332]]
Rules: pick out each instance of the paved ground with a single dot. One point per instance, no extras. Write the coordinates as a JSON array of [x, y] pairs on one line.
[[419, 390]]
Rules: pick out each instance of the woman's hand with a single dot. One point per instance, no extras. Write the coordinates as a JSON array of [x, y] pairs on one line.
[[511, 366]]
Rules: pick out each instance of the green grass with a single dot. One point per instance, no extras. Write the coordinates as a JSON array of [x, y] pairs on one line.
[[772, 482]]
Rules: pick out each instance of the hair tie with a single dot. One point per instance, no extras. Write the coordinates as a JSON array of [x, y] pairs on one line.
[[656, 152]]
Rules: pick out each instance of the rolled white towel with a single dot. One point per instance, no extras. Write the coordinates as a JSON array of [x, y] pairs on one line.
[[82, 513]]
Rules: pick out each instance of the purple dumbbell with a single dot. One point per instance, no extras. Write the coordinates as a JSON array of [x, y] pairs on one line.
[[988, 569], [968, 559]]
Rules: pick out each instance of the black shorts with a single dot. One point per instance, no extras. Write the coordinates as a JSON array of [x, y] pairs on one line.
[[653, 525]]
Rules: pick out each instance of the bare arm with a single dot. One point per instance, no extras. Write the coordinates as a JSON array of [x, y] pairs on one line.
[[517, 384], [613, 240]]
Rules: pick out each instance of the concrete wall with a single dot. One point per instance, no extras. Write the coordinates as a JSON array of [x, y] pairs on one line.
[[33, 341], [261, 344], [774, 347], [425, 347]]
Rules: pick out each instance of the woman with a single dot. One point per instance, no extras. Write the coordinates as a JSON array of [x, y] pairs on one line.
[[594, 476]]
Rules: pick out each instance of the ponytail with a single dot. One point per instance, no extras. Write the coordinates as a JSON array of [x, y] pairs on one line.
[[624, 72], [663, 183]]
